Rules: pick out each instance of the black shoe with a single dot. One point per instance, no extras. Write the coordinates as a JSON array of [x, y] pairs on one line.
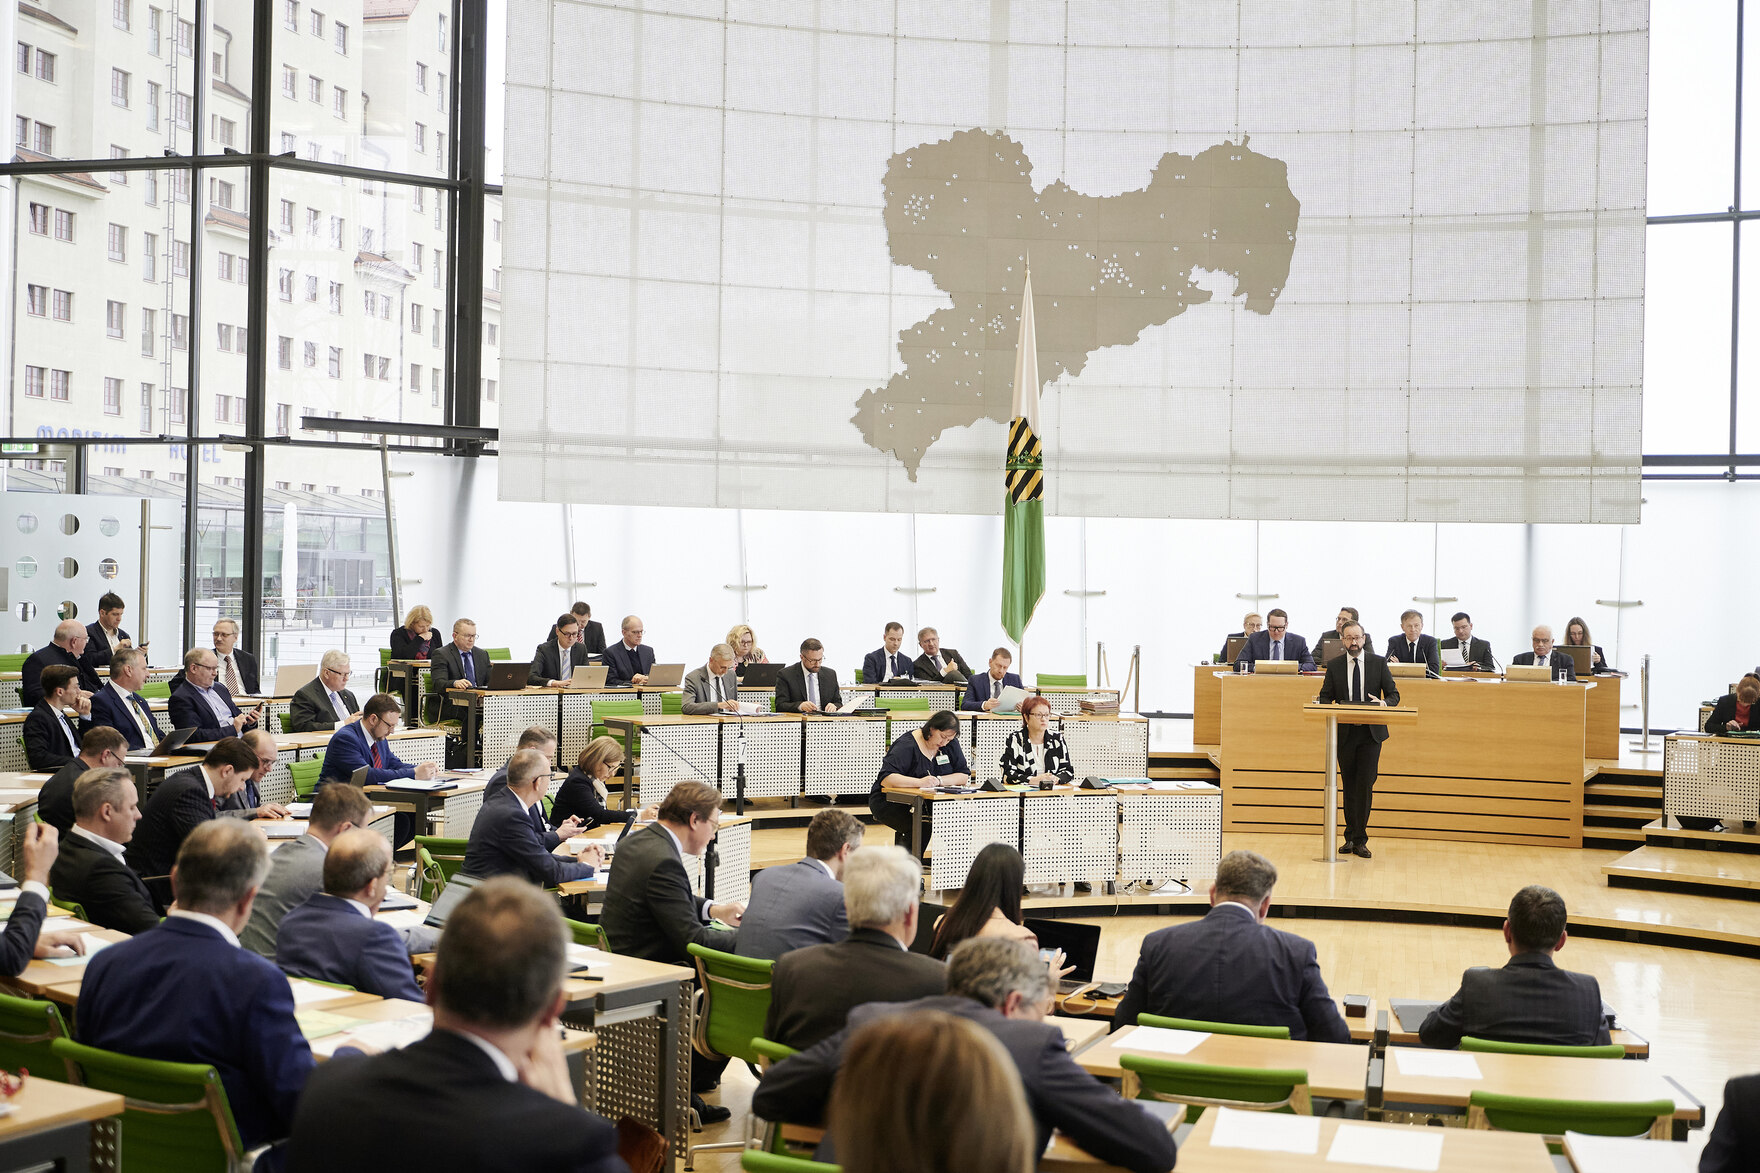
[[1361, 851], [1347, 849], [708, 1113]]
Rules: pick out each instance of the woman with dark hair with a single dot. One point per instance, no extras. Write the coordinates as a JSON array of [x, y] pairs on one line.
[[584, 791], [931, 752], [1034, 754], [989, 903], [1576, 634], [1737, 711]]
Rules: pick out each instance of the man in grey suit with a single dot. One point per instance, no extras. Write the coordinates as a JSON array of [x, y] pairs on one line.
[[799, 904], [324, 703], [713, 688]]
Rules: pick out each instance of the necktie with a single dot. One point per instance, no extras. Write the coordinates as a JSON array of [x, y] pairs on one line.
[[1412, 650], [719, 695], [1540, 661], [232, 685], [68, 729], [141, 719], [940, 664], [214, 803], [470, 666], [336, 703], [378, 762], [812, 686], [1277, 649], [1357, 679]]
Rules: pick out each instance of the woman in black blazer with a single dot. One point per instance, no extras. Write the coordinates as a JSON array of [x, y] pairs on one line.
[[1576, 634], [1034, 753], [416, 639], [1736, 712], [584, 791]]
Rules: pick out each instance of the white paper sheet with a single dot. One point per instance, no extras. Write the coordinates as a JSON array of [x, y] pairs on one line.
[[1159, 1039], [403, 918], [1619, 1154], [300, 810], [288, 829], [1436, 1064], [587, 957], [307, 994], [1389, 1148], [1267, 1132], [93, 944], [1452, 658]]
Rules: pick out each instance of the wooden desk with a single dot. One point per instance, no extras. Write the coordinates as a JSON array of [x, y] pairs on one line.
[[1063, 1155], [42, 973], [67, 990], [1207, 703], [1080, 1033], [1544, 1076], [1463, 1151], [1591, 1154], [51, 1124], [1335, 1070]]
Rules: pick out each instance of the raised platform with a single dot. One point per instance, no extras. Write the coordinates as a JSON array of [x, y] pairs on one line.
[[1728, 874]]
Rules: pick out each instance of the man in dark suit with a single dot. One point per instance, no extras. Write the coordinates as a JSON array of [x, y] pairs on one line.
[[592, 631], [461, 663], [184, 801], [247, 802], [1529, 1000], [119, 705], [1476, 653], [106, 637], [1734, 1146], [1346, 615], [801, 904], [101, 747], [363, 743], [937, 662], [23, 939], [324, 702], [488, 1090], [68, 647], [1412, 646], [1002, 986], [1544, 657], [506, 840], [237, 668], [984, 693], [1277, 642], [51, 738], [629, 659], [809, 686], [555, 659], [90, 871], [1232, 967], [887, 662], [1358, 677], [187, 993], [203, 703], [333, 936], [813, 989]]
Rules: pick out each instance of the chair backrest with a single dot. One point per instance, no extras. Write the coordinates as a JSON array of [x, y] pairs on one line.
[[72, 907], [28, 1030], [429, 878], [156, 690], [384, 656], [447, 854], [672, 704], [285, 718], [1214, 1086], [768, 1051], [736, 1001], [305, 775], [13, 661], [903, 704], [1215, 1028], [859, 679], [1051, 680], [588, 934], [1609, 1051], [499, 654], [1554, 1117], [758, 1161], [630, 707], [175, 1116]]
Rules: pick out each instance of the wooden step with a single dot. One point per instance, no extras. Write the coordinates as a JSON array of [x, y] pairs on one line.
[[1620, 835], [1621, 790], [1669, 833], [1711, 873], [1204, 773], [1612, 811]]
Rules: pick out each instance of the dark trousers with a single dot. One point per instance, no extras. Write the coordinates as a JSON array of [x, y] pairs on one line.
[[1359, 757], [894, 815], [705, 1072]]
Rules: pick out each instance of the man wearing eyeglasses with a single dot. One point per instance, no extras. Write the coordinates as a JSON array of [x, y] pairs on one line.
[[324, 702], [629, 658], [1277, 642], [204, 703]]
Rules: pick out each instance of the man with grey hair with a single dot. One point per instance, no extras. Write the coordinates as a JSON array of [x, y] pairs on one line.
[[1545, 655], [334, 937], [487, 1091], [713, 688], [204, 704], [120, 705], [937, 662], [90, 870], [1232, 967], [1002, 986], [187, 993], [68, 647], [505, 839], [325, 702], [812, 990], [629, 659]]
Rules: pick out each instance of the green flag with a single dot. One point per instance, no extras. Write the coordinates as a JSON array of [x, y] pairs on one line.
[[1023, 528]]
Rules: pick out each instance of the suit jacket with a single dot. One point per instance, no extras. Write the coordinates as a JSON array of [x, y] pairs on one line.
[[1723, 715], [109, 890], [699, 691], [1017, 760], [1562, 667], [876, 670], [405, 646], [98, 653], [1399, 648], [791, 688], [1478, 650], [441, 1105], [188, 708], [19, 941], [311, 710], [923, 668], [549, 663], [46, 747], [349, 750], [179, 805], [579, 796], [650, 910], [328, 939], [30, 682], [1227, 967], [1529, 1000], [1258, 647], [1377, 681], [625, 665], [812, 990], [1734, 1146], [593, 637], [110, 709], [55, 801], [247, 672], [183, 993], [504, 842], [791, 907], [449, 666], [1059, 1093], [982, 688], [296, 872]]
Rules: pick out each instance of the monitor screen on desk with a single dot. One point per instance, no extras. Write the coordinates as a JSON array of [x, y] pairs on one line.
[[1235, 644], [1276, 667], [1582, 658], [1330, 649]]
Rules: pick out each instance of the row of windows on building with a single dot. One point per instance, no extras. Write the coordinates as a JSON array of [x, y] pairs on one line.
[[315, 23]]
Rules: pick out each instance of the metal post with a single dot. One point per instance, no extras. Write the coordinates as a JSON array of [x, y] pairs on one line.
[[390, 532], [1331, 799], [1643, 746]]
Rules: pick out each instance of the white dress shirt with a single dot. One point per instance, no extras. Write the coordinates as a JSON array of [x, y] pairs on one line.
[[110, 845], [139, 719], [502, 1063]]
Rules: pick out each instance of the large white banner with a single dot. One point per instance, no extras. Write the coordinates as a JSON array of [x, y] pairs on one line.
[[1323, 260]]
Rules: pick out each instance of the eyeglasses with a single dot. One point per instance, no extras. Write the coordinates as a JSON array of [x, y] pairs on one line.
[[1278, 627]]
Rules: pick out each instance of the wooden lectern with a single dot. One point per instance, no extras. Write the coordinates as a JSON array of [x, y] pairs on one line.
[[1348, 714]]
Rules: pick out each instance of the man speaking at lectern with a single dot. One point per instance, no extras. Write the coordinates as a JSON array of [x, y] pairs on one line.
[[1358, 677]]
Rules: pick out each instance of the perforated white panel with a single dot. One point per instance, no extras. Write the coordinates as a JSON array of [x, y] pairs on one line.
[[733, 869], [506, 716], [416, 750], [1164, 836], [772, 756], [764, 698], [277, 784], [964, 827], [273, 711], [575, 731], [986, 753], [1070, 837], [9, 694], [1704, 716], [1071, 702], [12, 757], [1710, 779], [662, 770], [459, 814], [843, 756], [385, 825], [1111, 749], [651, 702]]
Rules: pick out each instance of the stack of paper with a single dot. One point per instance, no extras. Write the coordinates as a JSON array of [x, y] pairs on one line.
[[1436, 1064], [1159, 1039], [587, 957], [1265, 1132]]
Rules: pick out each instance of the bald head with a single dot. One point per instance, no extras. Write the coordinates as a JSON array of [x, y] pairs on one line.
[[357, 866], [67, 631]]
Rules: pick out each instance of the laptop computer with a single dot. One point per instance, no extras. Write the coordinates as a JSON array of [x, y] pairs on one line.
[[1234, 645], [665, 676], [756, 676], [1400, 668], [507, 677], [457, 888], [290, 678], [1329, 650], [1081, 945], [1276, 667], [589, 676], [1530, 672], [1582, 658], [169, 744]]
